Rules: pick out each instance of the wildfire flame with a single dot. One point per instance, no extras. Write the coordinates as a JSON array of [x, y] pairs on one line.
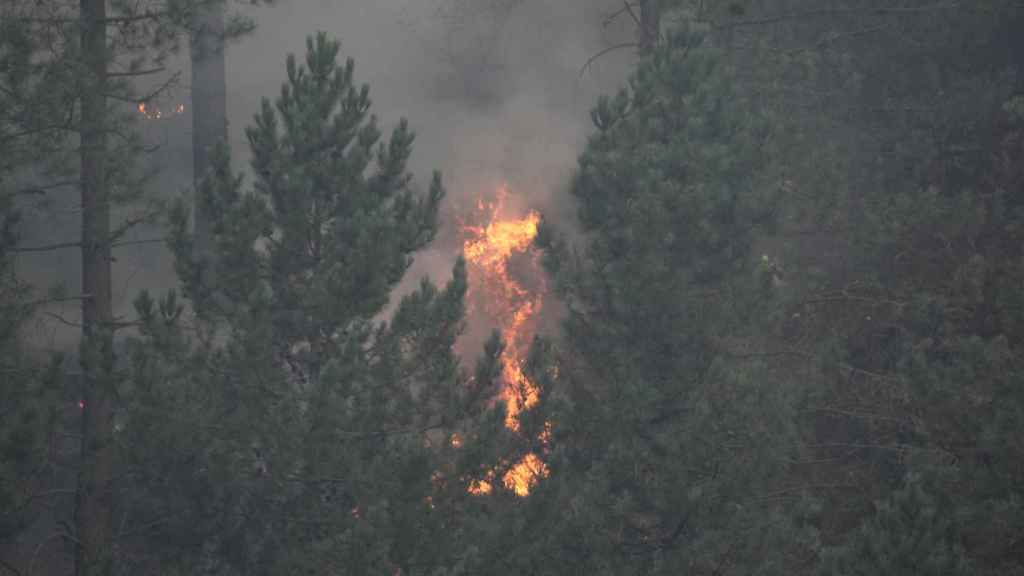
[[152, 112], [488, 249]]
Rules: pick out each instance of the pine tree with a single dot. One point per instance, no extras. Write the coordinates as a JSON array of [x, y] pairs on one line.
[[649, 29], [911, 532], [667, 446], [83, 61], [29, 380], [899, 235], [27, 385], [303, 433]]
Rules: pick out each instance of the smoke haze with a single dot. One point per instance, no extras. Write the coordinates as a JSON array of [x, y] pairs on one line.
[[491, 87]]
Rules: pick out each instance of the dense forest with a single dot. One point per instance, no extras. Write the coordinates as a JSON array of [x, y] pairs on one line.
[[783, 318]]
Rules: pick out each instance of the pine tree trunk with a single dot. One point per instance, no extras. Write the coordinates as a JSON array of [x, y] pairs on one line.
[[209, 107], [650, 25], [93, 501]]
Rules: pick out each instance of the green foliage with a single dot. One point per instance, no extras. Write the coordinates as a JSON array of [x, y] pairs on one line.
[[298, 431], [29, 384], [911, 532], [665, 444], [900, 237], [28, 420], [61, 96], [793, 341], [823, 278]]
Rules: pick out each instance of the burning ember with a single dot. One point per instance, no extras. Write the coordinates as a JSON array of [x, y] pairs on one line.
[[152, 112], [491, 250]]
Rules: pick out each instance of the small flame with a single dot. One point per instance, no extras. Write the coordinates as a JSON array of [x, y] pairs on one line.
[[152, 112]]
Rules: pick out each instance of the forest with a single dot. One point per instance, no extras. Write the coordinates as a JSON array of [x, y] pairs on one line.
[[595, 287]]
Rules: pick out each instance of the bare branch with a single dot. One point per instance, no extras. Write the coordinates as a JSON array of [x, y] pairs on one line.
[[855, 414], [39, 548], [40, 190], [63, 320], [790, 490], [24, 192], [632, 14], [130, 223], [143, 527], [37, 130], [614, 15], [591, 60], [133, 74], [392, 432], [48, 247], [845, 295], [824, 12], [137, 242], [147, 15], [44, 301], [9, 568], [163, 87]]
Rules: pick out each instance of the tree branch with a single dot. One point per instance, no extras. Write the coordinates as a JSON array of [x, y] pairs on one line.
[[129, 19], [137, 242], [143, 527], [130, 223], [63, 320], [9, 568], [43, 301], [632, 14], [40, 190], [591, 60], [627, 8], [47, 247], [893, 11], [391, 432], [39, 548], [174, 78], [132, 74]]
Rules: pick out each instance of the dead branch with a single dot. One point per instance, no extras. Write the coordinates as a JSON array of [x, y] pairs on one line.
[[48, 247], [825, 12], [591, 60]]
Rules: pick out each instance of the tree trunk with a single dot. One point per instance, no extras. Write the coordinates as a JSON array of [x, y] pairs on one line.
[[209, 108], [93, 499], [650, 25]]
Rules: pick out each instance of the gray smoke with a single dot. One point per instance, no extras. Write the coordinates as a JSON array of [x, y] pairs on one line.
[[492, 88]]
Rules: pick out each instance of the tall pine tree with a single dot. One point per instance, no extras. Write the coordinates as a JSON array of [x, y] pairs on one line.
[[299, 432], [76, 93], [900, 241], [668, 443]]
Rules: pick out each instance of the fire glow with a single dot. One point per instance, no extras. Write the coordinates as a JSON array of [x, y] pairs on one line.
[[152, 112], [489, 249]]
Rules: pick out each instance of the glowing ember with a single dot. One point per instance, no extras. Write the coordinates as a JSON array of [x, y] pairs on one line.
[[488, 250], [153, 112]]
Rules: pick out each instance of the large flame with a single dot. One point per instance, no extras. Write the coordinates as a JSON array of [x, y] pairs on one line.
[[488, 249]]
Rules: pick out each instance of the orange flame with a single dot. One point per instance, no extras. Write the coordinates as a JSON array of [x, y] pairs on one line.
[[151, 112], [488, 250]]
